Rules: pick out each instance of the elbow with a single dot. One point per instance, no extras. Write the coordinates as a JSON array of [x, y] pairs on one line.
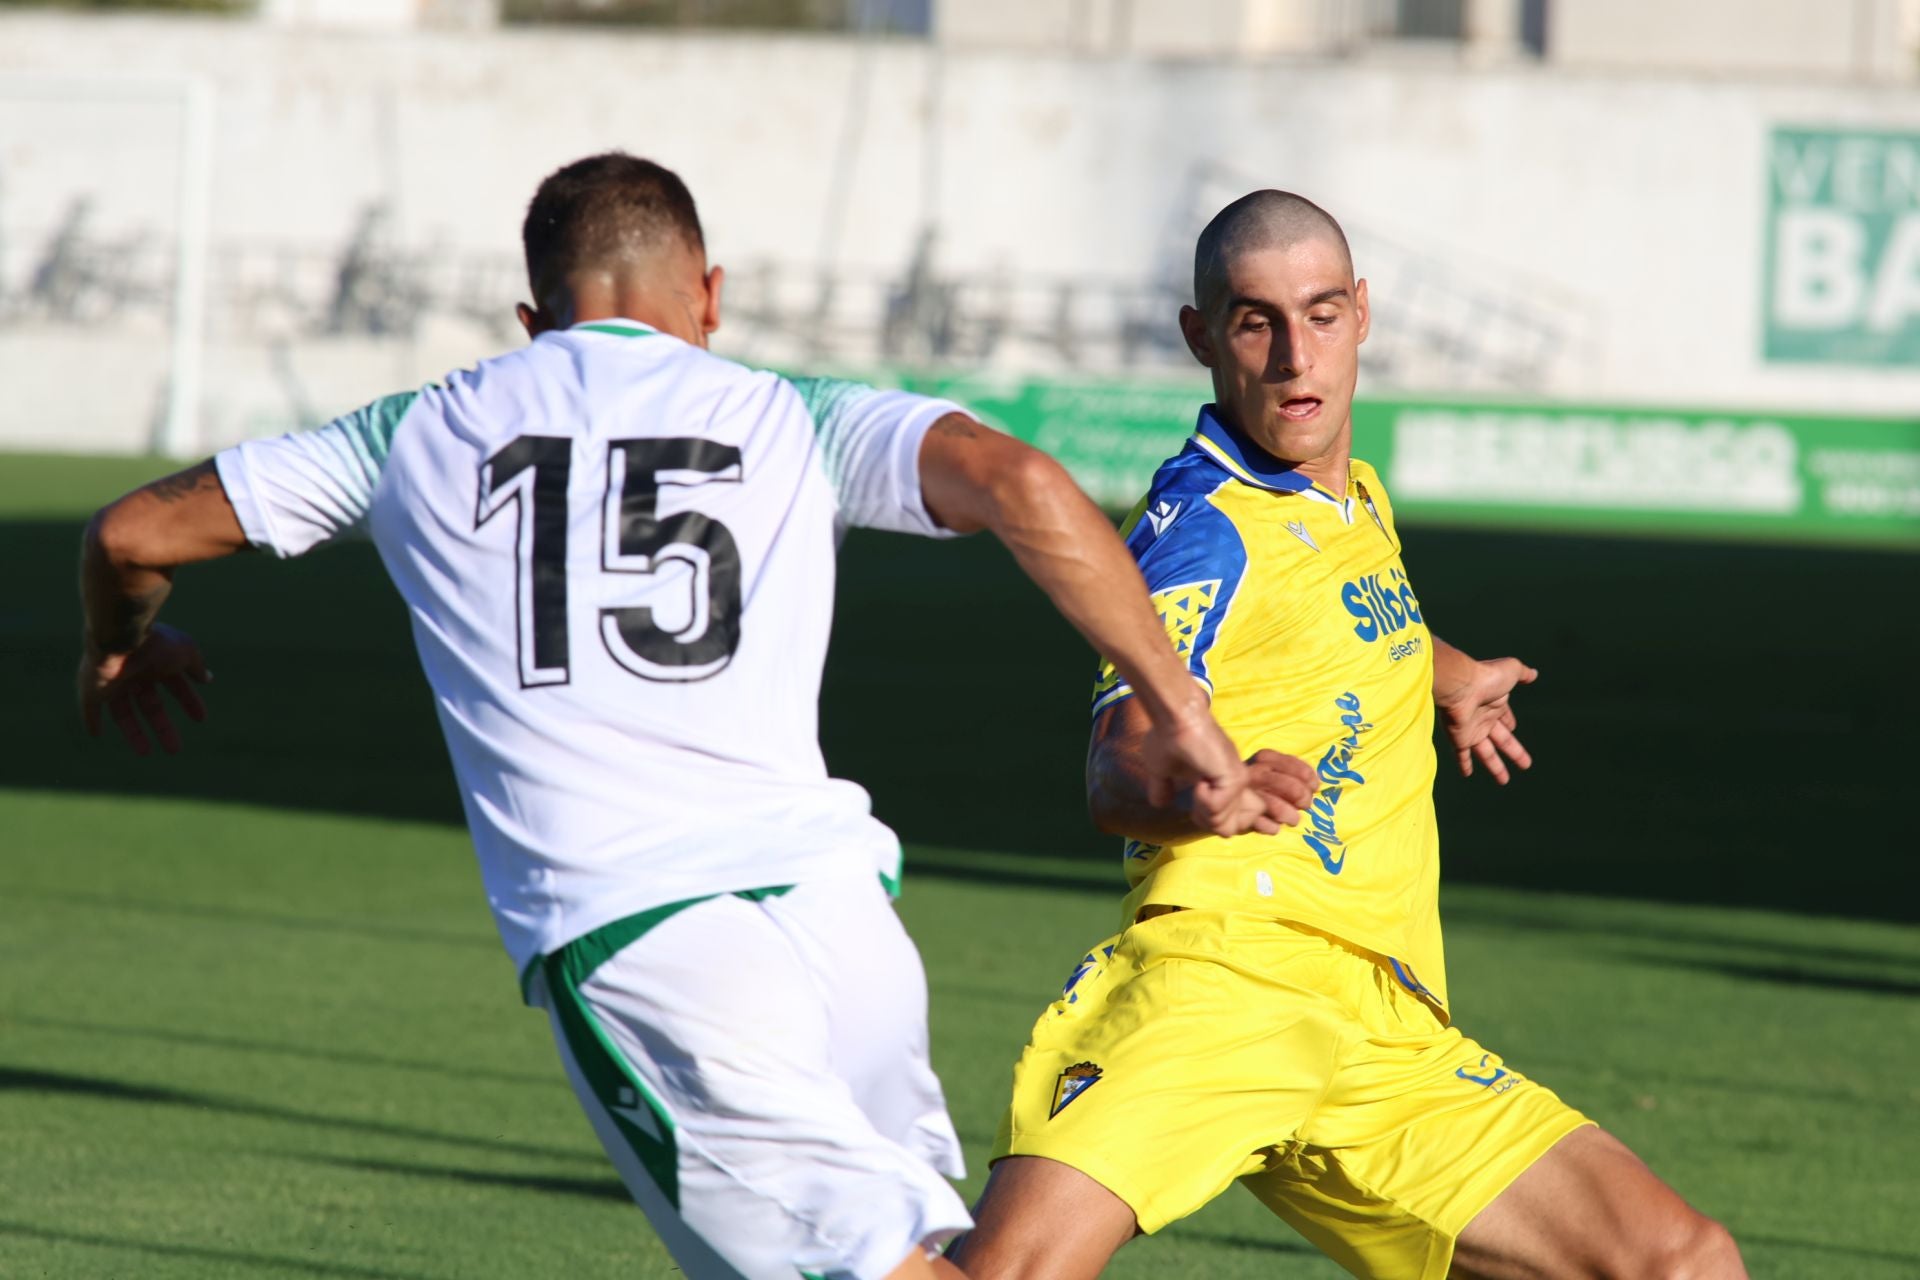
[[1030, 481], [114, 536]]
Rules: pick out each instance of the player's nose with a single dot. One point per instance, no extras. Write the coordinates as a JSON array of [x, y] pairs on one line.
[[1288, 357]]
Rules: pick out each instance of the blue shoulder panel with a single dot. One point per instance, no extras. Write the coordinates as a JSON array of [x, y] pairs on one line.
[[1192, 557]]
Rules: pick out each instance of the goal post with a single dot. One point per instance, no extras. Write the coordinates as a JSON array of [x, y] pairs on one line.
[[106, 199]]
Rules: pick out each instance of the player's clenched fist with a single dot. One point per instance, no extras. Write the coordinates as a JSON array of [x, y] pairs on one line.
[[1186, 747]]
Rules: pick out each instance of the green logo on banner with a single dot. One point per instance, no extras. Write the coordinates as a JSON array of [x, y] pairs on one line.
[[1843, 247]]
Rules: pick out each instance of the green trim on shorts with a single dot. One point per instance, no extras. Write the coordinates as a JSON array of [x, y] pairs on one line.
[[637, 1112], [589, 951], [575, 962]]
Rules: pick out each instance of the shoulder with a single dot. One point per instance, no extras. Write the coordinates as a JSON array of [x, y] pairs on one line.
[[836, 404], [824, 397], [1179, 528]]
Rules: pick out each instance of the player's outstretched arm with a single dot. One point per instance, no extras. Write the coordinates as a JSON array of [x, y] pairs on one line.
[[127, 559], [1120, 800], [973, 477], [1475, 703]]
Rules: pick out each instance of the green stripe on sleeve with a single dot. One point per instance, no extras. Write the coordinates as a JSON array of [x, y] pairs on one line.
[[371, 428]]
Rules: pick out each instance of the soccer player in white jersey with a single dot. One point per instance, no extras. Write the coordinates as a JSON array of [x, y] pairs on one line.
[[617, 553]]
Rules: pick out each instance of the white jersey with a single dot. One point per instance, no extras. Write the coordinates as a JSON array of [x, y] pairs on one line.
[[617, 551]]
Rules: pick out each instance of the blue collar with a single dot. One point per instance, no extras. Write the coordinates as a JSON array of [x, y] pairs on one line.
[[1245, 459]]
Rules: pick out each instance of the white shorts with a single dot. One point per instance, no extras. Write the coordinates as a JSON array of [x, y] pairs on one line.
[[756, 1066]]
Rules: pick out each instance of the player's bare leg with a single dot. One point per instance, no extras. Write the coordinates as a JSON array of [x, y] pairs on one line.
[[1590, 1208], [1042, 1220]]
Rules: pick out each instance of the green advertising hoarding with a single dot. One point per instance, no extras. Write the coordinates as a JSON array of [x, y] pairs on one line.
[[1843, 247], [1791, 477], [1786, 476]]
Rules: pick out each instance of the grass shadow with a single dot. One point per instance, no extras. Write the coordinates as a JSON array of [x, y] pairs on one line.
[[1777, 975], [607, 1188], [461, 1071], [256, 918], [202, 1253], [28, 1080]]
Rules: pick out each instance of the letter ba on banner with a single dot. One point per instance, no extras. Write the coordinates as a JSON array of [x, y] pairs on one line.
[[1843, 247]]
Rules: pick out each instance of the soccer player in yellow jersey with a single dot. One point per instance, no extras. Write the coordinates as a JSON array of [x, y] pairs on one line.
[[1274, 1011]]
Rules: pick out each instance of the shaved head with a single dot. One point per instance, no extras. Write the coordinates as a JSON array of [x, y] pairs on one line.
[[1257, 221], [1278, 317]]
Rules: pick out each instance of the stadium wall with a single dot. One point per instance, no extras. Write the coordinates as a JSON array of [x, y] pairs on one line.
[[1628, 240]]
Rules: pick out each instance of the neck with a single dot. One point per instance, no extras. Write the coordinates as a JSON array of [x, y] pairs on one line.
[[1328, 469], [658, 306]]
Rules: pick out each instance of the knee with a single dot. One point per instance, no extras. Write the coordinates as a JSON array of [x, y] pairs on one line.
[[1695, 1248]]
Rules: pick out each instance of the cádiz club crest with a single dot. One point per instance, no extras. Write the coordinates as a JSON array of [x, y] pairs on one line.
[[1073, 1082]]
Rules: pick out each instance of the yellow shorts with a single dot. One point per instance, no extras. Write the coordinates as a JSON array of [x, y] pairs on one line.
[[1201, 1047]]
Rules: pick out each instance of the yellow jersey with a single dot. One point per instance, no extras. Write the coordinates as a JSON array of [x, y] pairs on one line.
[[1290, 604]]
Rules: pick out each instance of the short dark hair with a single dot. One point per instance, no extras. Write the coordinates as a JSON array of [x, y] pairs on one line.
[[603, 209]]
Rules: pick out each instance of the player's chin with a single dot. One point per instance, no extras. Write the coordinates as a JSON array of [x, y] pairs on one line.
[[1301, 439]]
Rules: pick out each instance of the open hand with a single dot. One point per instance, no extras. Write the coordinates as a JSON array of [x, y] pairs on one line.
[[128, 686], [1479, 720]]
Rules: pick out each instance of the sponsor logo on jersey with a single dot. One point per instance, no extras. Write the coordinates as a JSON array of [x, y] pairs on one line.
[[1298, 529], [1073, 1082], [1162, 516], [1336, 775], [1498, 1080], [1384, 603]]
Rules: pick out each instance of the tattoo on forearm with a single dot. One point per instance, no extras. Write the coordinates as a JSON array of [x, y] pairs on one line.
[[182, 484]]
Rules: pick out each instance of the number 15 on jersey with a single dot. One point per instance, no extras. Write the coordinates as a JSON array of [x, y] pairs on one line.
[[531, 474]]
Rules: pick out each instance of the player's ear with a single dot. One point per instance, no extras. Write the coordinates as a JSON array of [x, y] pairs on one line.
[[1193, 327], [531, 320], [1361, 310], [716, 276]]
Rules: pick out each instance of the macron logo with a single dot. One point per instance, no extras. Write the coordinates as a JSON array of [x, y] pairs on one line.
[[1163, 515], [1298, 529]]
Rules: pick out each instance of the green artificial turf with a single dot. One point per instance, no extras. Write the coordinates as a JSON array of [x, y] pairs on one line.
[[254, 1021]]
